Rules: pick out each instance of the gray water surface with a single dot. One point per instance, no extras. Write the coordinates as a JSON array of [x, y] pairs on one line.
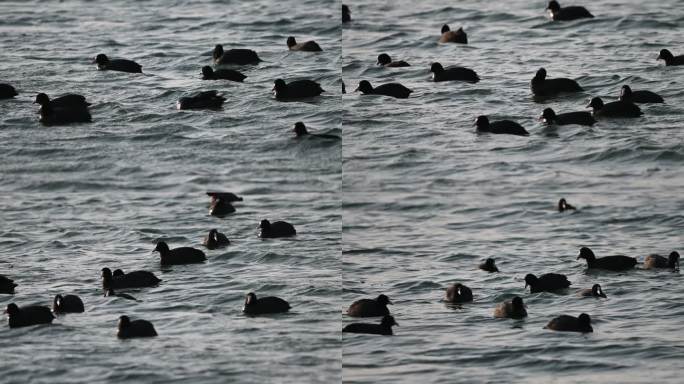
[[426, 198], [81, 197]]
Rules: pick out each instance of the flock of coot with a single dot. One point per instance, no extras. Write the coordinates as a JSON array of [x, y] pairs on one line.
[[542, 87], [74, 108], [117, 280]]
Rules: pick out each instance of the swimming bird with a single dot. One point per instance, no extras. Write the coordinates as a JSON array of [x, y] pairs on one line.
[[135, 279], [541, 86], [369, 307], [264, 305], [67, 304], [64, 101], [594, 291], [669, 58], [181, 255], [202, 100], [122, 65], [566, 323], [453, 73], [238, 56], [222, 74], [276, 229], [564, 206], [225, 196], [567, 13], [489, 265], [514, 309], [346, 14], [137, 328], [384, 328], [580, 118], [220, 207], [548, 282], [500, 127], [28, 315], [7, 285], [301, 131], [390, 89], [215, 239], [612, 263], [449, 36], [50, 115], [458, 293], [307, 46], [614, 108], [298, 89], [7, 91], [626, 94], [657, 261], [386, 61]]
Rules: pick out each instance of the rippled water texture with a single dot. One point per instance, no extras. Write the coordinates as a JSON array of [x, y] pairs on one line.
[[426, 199], [77, 198]]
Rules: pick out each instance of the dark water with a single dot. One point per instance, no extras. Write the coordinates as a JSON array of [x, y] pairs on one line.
[[426, 199], [80, 197]]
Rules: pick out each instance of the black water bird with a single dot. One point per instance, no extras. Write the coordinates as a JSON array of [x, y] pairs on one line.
[[307, 46], [240, 56], [611, 263], [215, 239], [543, 87], [500, 127], [67, 304], [301, 131], [386, 61], [121, 65], [567, 13], [550, 117], [390, 89], [7, 91], [202, 100], [137, 328], [276, 229], [626, 94], [209, 73], [7, 285], [264, 305], [489, 265], [564, 206], [135, 279], [453, 73], [614, 108], [384, 328], [669, 58], [346, 14], [28, 315], [566, 323], [298, 89], [181, 255], [548, 282]]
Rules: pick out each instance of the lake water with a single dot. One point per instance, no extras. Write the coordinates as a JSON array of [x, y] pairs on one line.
[[81, 197], [411, 202], [426, 199]]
